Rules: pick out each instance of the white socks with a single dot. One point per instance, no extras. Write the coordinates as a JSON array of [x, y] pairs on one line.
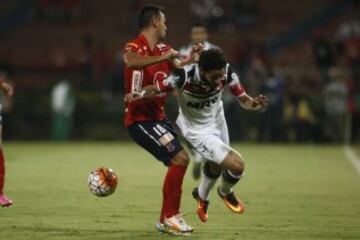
[[206, 184]]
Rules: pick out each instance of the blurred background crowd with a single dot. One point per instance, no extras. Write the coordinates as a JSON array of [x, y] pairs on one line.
[[64, 58]]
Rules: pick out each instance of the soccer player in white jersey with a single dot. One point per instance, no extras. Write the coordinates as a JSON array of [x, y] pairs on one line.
[[198, 35], [202, 122]]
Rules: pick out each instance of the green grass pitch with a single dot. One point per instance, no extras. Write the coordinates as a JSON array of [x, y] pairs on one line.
[[291, 192]]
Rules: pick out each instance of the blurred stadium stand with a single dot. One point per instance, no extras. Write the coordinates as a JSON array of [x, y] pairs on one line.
[[294, 51]]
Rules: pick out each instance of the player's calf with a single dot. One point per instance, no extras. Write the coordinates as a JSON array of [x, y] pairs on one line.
[[233, 166], [211, 172], [173, 182], [233, 171]]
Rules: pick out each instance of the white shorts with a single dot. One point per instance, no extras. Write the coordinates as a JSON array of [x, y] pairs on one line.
[[211, 141]]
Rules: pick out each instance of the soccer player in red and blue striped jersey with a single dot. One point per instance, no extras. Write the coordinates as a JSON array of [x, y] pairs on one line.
[[149, 60]]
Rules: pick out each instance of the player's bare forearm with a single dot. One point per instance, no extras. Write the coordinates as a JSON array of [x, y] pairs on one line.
[[250, 103], [147, 91], [150, 91], [133, 60], [6, 87], [179, 64], [193, 58]]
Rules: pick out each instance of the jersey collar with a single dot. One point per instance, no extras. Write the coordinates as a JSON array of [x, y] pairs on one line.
[[144, 41]]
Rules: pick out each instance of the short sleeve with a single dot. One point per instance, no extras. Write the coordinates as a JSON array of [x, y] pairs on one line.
[[233, 82], [131, 47]]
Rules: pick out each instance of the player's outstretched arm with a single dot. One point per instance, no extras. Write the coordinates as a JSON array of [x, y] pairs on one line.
[[147, 91], [134, 60], [255, 103], [6, 87], [193, 57], [161, 85]]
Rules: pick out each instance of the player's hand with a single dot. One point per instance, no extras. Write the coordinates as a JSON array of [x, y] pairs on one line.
[[7, 88], [261, 101], [133, 96], [197, 48], [171, 54], [196, 51]]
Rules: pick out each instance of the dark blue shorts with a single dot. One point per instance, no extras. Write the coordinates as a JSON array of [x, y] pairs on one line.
[[157, 137]]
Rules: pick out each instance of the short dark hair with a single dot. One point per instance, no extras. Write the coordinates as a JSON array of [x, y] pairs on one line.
[[212, 59], [198, 24], [147, 14]]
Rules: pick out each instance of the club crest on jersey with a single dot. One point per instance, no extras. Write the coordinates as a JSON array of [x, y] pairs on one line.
[[160, 76], [170, 147], [235, 77], [201, 105]]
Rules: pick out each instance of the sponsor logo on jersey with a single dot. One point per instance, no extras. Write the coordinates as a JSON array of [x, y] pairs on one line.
[[201, 105], [235, 77], [166, 138], [136, 81], [206, 150]]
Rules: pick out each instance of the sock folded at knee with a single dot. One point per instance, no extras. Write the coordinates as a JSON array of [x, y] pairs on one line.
[[228, 181], [230, 177]]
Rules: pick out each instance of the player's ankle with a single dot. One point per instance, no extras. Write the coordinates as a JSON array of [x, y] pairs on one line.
[[223, 192]]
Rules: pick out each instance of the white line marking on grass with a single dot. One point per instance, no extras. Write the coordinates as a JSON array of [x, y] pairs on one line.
[[352, 157]]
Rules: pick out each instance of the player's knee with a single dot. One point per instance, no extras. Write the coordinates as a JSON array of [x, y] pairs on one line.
[[212, 170], [238, 165], [181, 158], [238, 168]]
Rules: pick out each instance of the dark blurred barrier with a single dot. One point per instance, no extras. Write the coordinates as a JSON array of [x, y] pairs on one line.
[[30, 117], [96, 117], [303, 29], [81, 41]]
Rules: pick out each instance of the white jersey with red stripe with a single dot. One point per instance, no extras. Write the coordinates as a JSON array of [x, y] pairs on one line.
[[201, 116], [199, 103]]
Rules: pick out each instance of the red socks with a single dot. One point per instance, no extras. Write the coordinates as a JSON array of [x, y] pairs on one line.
[[172, 190], [165, 199], [2, 171]]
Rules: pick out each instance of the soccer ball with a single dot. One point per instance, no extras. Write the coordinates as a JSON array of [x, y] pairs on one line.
[[102, 182]]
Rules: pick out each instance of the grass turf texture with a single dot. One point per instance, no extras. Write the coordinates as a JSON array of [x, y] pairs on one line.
[[291, 192]]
